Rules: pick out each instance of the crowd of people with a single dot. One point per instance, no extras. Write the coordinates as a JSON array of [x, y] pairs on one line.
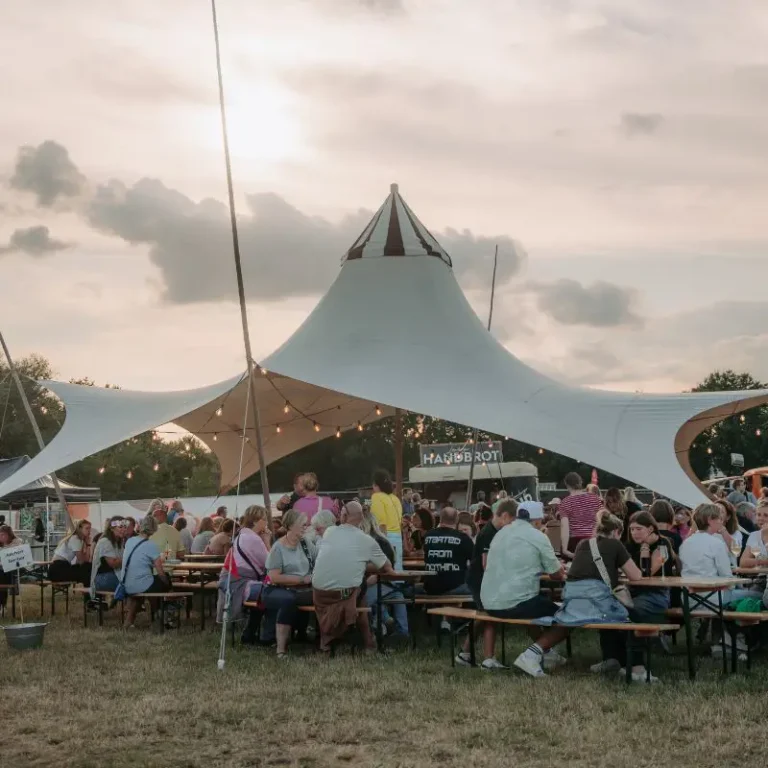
[[328, 555]]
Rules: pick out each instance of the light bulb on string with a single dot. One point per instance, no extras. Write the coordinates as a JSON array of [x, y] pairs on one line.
[[215, 437], [490, 443], [742, 418], [219, 410], [156, 467], [338, 431], [758, 432], [102, 470], [129, 475], [277, 429], [378, 411], [471, 441], [709, 450], [264, 371], [43, 410], [541, 451], [316, 426], [359, 426], [287, 407]]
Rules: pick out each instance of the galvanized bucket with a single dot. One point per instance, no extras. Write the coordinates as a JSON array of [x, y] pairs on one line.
[[22, 637]]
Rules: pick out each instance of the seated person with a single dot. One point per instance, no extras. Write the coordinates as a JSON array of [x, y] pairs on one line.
[[466, 525], [447, 552], [185, 534], [166, 538], [422, 523], [321, 522], [141, 561], [220, 543], [518, 555], [756, 551], [72, 557], [343, 559], [108, 556], [204, 535], [7, 539], [289, 565]]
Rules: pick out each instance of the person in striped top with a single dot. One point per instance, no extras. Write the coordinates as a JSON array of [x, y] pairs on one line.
[[578, 514]]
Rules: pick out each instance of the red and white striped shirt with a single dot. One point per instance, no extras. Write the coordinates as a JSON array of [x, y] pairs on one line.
[[581, 511]]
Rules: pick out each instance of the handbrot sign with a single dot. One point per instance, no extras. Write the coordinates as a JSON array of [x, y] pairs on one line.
[[458, 454]]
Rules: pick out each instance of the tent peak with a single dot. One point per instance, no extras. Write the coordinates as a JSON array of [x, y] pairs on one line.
[[395, 230]]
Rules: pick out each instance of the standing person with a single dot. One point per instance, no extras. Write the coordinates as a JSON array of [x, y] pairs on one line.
[[447, 552], [108, 556], [185, 535], [286, 502], [220, 512], [467, 525], [387, 510], [578, 515], [142, 568], [345, 557], [518, 555], [72, 557], [289, 565], [310, 503], [631, 500], [481, 505], [166, 538], [740, 493], [615, 504], [407, 504], [7, 539], [504, 513], [176, 510]]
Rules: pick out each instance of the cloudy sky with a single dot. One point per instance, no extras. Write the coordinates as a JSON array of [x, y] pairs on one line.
[[616, 151]]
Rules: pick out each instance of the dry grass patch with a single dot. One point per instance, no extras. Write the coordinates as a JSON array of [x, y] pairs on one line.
[[105, 697]]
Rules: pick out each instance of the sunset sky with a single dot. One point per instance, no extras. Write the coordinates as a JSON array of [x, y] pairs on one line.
[[616, 152]]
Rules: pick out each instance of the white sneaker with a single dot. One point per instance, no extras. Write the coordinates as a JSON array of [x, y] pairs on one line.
[[639, 677], [603, 667], [530, 664], [552, 660], [492, 663], [463, 659]]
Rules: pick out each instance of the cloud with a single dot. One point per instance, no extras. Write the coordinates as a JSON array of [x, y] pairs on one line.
[[601, 305], [639, 124], [47, 172], [35, 241], [284, 251]]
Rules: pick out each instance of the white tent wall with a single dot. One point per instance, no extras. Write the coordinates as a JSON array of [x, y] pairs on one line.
[[396, 331]]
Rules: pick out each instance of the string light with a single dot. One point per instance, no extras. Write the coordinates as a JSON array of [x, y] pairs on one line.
[[709, 450], [758, 432], [129, 475], [316, 426], [287, 408], [220, 410], [541, 451], [156, 467], [43, 410], [490, 443], [471, 441], [215, 437], [338, 431], [277, 429], [359, 426], [378, 411], [742, 418], [264, 371], [102, 470]]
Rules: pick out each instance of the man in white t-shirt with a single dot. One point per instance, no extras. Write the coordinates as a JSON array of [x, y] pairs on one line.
[[344, 558]]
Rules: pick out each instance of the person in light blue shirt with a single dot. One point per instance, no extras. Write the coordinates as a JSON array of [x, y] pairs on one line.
[[141, 561], [518, 555]]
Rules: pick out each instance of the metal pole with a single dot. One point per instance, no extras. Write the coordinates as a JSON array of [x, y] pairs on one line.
[[239, 269], [474, 433], [398, 453], [35, 427]]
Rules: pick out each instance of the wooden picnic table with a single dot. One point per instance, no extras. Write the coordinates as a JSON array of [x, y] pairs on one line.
[[757, 570], [699, 591], [414, 565], [204, 558], [204, 569], [395, 576]]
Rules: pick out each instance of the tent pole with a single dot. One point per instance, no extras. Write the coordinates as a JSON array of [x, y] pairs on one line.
[[474, 433], [398, 453], [239, 269], [35, 427]]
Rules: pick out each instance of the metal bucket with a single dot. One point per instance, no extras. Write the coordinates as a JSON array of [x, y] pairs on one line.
[[25, 636]]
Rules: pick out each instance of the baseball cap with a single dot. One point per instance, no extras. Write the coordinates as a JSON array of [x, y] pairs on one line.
[[535, 509]]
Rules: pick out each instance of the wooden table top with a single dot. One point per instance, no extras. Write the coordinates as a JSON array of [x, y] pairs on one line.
[[405, 575], [206, 566], [754, 571], [714, 583]]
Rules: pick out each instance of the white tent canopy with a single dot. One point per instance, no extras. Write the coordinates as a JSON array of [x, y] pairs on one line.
[[396, 299]]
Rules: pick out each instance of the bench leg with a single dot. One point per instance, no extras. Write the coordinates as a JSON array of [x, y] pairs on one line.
[[13, 602], [101, 613], [723, 630], [568, 648], [628, 660], [472, 654], [688, 634], [66, 600], [647, 660], [202, 609], [85, 614], [503, 645], [733, 631], [162, 615], [188, 606], [53, 600], [42, 599], [453, 650], [379, 618]]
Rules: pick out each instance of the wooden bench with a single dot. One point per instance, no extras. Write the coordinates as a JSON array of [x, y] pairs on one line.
[[57, 587], [103, 594], [646, 631], [737, 618]]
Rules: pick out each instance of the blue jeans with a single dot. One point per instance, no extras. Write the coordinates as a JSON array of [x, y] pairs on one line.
[[106, 582], [283, 604], [398, 612], [255, 592], [396, 540]]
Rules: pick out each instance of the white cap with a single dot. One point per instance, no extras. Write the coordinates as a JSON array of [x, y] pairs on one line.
[[535, 509]]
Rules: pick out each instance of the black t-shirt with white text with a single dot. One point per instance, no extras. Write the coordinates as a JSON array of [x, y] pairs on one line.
[[446, 552]]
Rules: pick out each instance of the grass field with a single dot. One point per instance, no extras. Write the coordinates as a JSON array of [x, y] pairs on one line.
[[105, 697]]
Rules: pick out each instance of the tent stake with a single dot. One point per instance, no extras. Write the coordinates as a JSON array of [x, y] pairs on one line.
[[239, 270], [474, 433], [35, 427]]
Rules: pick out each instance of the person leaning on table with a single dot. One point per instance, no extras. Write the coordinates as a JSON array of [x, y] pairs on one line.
[[140, 574]]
